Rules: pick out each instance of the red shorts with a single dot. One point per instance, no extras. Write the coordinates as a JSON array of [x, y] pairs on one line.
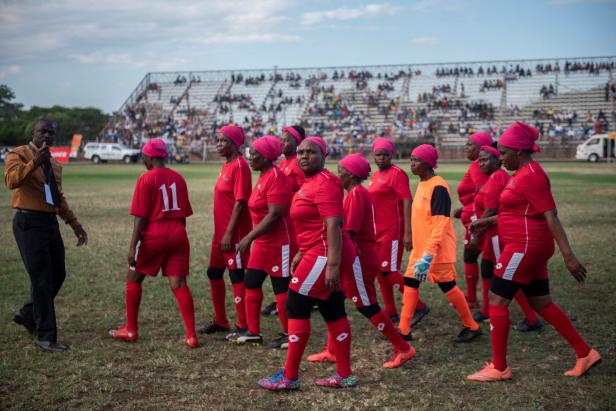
[[163, 244], [309, 275], [360, 288], [390, 254], [523, 266], [491, 246], [274, 260], [231, 260]]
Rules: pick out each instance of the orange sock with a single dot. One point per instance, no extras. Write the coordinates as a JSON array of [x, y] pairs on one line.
[[409, 303], [457, 299]]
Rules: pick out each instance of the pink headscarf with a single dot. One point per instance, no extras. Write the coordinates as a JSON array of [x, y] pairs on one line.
[[357, 165], [427, 153], [491, 150], [294, 133], [319, 142], [234, 133], [481, 139], [156, 147], [385, 144], [268, 146], [520, 136]]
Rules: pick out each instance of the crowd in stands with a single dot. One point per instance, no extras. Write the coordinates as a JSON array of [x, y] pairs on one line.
[[547, 91], [491, 85]]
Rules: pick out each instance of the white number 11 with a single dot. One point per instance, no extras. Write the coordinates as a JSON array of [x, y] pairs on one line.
[[174, 197]]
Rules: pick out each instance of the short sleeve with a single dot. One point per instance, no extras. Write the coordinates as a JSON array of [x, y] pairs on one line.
[[140, 206], [441, 202], [328, 200], [279, 191], [242, 182], [353, 216], [187, 207], [402, 186], [538, 192]]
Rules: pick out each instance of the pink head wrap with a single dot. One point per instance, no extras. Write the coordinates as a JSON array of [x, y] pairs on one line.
[[520, 136], [385, 144], [481, 139], [357, 165], [427, 153], [319, 142], [491, 150], [268, 146], [234, 133], [156, 147], [294, 133]]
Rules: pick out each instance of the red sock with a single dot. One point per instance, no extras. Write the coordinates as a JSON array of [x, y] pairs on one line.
[[331, 345], [133, 299], [499, 326], [281, 306], [299, 331], [187, 309], [485, 288], [239, 294], [559, 320], [529, 313], [254, 298], [471, 273], [381, 322], [217, 290], [387, 293], [341, 331]]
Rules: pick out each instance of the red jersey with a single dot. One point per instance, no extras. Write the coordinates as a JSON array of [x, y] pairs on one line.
[[389, 188], [295, 174], [489, 194], [468, 187], [234, 183], [272, 188], [359, 216], [318, 198], [161, 194], [526, 196]]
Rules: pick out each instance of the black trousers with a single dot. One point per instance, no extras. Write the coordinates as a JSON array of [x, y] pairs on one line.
[[42, 251]]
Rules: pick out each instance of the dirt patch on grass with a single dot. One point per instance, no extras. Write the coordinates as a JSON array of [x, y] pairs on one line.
[[605, 192]]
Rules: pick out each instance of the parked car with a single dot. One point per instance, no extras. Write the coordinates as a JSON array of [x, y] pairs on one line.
[[597, 147], [103, 152]]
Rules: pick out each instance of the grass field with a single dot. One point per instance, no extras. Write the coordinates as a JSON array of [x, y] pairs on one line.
[[159, 373]]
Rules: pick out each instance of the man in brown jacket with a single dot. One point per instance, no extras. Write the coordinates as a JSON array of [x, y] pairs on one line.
[[35, 179]]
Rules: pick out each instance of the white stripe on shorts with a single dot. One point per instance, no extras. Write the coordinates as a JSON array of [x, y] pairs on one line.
[[359, 281], [516, 258], [393, 264], [238, 258], [496, 247], [313, 275], [285, 260]]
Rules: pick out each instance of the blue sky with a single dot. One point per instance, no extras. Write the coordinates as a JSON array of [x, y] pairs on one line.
[[93, 53]]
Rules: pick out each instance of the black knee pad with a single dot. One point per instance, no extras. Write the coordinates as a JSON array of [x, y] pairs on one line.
[[215, 273], [446, 286], [487, 269], [537, 288], [370, 310], [504, 288], [470, 256], [280, 284], [237, 276], [411, 282], [332, 309], [254, 278], [299, 307]]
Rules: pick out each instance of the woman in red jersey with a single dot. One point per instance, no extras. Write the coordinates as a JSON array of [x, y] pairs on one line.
[[359, 224], [159, 240], [231, 223], [486, 206], [391, 193], [528, 225], [325, 256], [470, 185], [273, 242]]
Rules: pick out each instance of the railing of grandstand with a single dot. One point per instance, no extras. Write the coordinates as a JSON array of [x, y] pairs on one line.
[[183, 96]]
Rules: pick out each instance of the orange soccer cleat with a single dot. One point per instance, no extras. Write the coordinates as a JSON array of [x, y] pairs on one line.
[[124, 334], [489, 374], [191, 342], [323, 356], [399, 358], [582, 365]]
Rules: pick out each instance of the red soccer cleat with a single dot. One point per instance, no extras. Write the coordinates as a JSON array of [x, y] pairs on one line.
[[399, 358], [124, 334], [323, 356], [191, 342], [582, 365]]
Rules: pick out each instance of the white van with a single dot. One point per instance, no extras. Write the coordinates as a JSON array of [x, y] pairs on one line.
[[596, 148], [103, 152]]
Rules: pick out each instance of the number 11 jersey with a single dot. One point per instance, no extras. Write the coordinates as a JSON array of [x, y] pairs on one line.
[[161, 194]]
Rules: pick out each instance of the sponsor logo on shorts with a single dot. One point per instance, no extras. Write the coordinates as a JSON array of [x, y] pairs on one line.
[[238, 299], [293, 338], [380, 327], [275, 269], [259, 187], [465, 242], [230, 261], [354, 299], [224, 177], [342, 336], [499, 266], [384, 264], [295, 280]]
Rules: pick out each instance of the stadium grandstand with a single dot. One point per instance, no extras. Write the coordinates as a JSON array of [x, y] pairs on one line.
[[567, 99]]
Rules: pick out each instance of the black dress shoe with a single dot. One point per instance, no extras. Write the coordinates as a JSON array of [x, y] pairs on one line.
[[467, 335], [50, 346], [24, 322]]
